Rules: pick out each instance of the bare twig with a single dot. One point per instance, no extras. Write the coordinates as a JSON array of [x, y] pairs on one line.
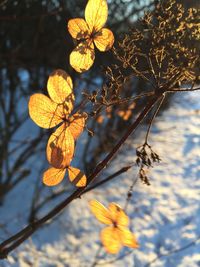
[[173, 251], [95, 262], [153, 117], [107, 179], [183, 89]]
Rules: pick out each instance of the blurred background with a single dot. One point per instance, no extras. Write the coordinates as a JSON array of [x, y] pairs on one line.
[[34, 42]]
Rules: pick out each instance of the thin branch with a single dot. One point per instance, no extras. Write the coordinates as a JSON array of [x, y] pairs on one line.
[[107, 179], [125, 100], [174, 251], [95, 262], [152, 119], [140, 74], [183, 90], [152, 70], [130, 192]]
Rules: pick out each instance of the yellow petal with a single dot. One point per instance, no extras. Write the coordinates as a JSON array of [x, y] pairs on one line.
[[82, 57], [60, 86], [53, 176], [100, 212], [77, 124], [118, 215], [60, 147], [44, 112], [77, 177], [104, 39], [127, 238], [96, 14], [111, 240], [78, 28]]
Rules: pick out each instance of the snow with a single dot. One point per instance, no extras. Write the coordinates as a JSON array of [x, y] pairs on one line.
[[165, 216]]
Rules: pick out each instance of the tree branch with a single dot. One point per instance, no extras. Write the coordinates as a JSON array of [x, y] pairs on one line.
[[107, 179], [10, 244]]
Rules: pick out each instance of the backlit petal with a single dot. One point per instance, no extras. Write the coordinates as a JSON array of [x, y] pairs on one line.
[[111, 240], [104, 39], [60, 147], [77, 124], [78, 28], [100, 212], [82, 57], [44, 112], [96, 13], [127, 237], [118, 215], [53, 176], [77, 177], [60, 86]]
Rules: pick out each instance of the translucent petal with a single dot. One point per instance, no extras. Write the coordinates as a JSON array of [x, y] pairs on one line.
[[78, 28], [118, 215], [104, 39], [82, 57], [96, 14], [60, 86], [127, 237], [44, 112], [53, 176], [111, 240], [77, 124], [60, 147], [100, 212], [77, 177]]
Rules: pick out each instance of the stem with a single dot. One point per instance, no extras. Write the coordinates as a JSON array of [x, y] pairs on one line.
[[130, 192], [124, 169], [10, 244], [173, 251], [183, 90], [96, 256], [152, 119], [125, 100]]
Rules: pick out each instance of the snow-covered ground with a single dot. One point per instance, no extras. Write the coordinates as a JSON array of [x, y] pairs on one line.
[[165, 216]]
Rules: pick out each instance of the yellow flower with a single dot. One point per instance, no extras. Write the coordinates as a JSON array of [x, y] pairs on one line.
[[48, 112], [89, 32], [117, 233]]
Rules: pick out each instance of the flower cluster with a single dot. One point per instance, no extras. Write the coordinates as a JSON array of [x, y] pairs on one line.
[[52, 111]]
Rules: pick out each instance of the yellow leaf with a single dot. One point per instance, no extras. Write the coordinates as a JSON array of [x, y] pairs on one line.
[[96, 13], [77, 177], [77, 124], [60, 86], [53, 176], [111, 240], [127, 238], [82, 57], [104, 39], [60, 147], [44, 112], [100, 212], [118, 215], [78, 28]]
